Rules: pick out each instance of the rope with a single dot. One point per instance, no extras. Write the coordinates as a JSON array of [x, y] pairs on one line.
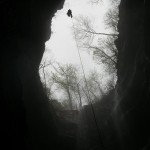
[[89, 99]]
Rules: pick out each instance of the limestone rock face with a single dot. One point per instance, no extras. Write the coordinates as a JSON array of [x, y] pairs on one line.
[[133, 85], [26, 117]]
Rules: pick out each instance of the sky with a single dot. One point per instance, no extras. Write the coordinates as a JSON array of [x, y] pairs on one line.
[[62, 46]]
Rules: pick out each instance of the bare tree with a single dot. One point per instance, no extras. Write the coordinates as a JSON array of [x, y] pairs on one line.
[[84, 31], [95, 79], [111, 18], [77, 89], [101, 44], [65, 77], [95, 1], [103, 48], [46, 77], [106, 53], [42, 67], [94, 84]]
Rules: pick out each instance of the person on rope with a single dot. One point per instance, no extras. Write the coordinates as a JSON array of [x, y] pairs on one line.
[[69, 13]]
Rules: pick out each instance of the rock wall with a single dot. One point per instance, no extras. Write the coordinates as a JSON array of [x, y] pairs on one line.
[[132, 111], [26, 118]]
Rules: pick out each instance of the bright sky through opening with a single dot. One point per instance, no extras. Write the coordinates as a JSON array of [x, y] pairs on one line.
[[62, 45]]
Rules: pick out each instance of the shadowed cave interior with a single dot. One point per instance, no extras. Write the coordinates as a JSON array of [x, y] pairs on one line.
[[28, 121]]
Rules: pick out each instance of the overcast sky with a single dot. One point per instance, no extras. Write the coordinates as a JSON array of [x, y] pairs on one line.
[[62, 45]]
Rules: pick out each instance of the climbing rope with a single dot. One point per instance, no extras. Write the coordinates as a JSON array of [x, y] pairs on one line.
[[89, 98], [69, 13]]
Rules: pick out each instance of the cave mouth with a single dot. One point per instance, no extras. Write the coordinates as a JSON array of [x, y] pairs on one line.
[[78, 69], [74, 107]]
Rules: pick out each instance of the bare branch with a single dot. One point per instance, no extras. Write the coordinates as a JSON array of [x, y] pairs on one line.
[[95, 1]]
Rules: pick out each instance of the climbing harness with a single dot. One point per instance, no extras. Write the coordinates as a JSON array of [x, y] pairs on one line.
[[69, 13]]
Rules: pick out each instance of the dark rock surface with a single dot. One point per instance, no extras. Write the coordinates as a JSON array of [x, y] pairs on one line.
[[26, 120], [133, 86]]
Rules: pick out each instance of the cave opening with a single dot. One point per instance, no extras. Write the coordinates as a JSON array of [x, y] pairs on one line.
[[78, 69], [75, 98]]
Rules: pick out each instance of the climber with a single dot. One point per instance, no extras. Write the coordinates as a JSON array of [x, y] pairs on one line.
[[69, 13]]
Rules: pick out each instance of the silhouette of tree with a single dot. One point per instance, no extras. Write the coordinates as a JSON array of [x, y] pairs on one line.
[[111, 18], [95, 87], [95, 1], [46, 78], [105, 52], [99, 43], [65, 77], [103, 48]]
